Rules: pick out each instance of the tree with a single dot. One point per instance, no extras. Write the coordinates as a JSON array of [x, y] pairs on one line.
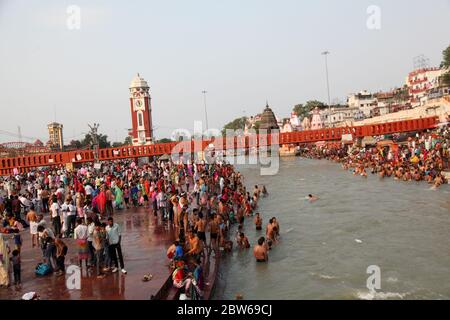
[[164, 140], [102, 141], [446, 64], [303, 111], [128, 141], [74, 144], [446, 58], [236, 124], [312, 104], [298, 109]]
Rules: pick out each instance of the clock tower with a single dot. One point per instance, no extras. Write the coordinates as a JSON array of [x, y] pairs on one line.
[[141, 112]]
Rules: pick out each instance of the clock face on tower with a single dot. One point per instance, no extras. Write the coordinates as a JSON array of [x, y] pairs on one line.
[[138, 104]]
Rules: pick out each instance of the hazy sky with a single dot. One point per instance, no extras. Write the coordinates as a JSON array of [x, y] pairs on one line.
[[241, 51]]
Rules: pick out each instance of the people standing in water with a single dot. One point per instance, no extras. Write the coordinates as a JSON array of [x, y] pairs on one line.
[[242, 241], [264, 191], [258, 221], [276, 226], [260, 251]]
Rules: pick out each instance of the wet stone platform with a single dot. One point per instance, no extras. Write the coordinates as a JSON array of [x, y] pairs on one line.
[[145, 240]]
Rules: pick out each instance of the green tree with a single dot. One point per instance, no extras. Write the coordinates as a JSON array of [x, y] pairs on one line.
[[298, 109], [128, 141], [446, 64], [446, 58], [164, 140], [102, 141], [236, 124], [74, 144], [303, 110], [314, 103]]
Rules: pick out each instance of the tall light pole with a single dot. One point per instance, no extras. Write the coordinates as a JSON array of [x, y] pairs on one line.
[[206, 112], [326, 53]]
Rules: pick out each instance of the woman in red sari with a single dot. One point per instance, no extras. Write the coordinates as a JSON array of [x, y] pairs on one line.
[[101, 201]]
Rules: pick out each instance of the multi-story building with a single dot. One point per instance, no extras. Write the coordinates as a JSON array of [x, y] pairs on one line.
[[420, 82], [55, 134], [364, 101], [341, 115]]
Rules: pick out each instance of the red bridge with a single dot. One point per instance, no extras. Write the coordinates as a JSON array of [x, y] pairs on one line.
[[28, 162]]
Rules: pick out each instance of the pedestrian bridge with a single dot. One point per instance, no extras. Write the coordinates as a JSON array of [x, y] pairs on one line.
[[26, 163]]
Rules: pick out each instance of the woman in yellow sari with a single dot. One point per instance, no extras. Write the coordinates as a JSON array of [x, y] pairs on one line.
[[4, 262]]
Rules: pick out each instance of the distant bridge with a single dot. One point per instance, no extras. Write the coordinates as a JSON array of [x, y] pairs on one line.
[[19, 148], [27, 163]]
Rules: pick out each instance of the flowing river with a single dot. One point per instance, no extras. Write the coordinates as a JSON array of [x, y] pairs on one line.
[[327, 246]]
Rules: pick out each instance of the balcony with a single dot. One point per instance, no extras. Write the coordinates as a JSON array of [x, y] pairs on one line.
[[417, 81]]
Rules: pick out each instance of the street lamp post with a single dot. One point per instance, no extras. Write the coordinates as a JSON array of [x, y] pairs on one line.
[[326, 53], [206, 112]]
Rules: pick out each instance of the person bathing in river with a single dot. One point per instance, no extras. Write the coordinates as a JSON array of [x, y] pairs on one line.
[[277, 226], [264, 191], [312, 198], [258, 221], [260, 251], [271, 232], [269, 227], [242, 241]]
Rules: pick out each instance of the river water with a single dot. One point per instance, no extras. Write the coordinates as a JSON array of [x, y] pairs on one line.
[[327, 246]]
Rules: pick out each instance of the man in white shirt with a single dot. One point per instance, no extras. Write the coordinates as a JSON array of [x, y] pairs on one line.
[[46, 237], [90, 238], [81, 235], [64, 211], [81, 231], [25, 201], [60, 192], [114, 238], [71, 218], [55, 210], [89, 191]]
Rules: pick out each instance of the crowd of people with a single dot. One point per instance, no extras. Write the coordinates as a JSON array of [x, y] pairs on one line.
[[57, 204], [204, 217], [422, 157]]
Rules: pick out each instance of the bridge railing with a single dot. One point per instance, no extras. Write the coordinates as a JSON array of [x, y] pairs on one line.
[[26, 163]]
